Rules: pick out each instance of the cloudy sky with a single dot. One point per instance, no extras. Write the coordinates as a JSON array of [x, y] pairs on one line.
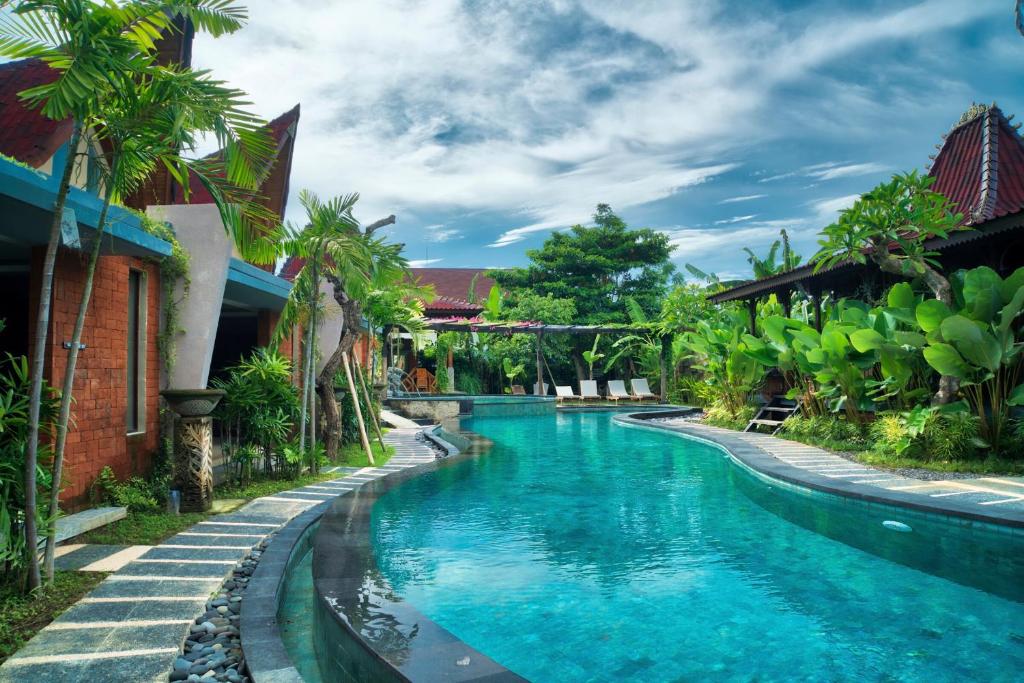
[[485, 125]]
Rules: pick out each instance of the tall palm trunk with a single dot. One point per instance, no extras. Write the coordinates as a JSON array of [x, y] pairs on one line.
[[69, 376], [39, 361], [351, 312]]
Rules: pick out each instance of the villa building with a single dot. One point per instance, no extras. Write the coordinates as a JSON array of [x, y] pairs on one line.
[[231, 308], [979, 167]]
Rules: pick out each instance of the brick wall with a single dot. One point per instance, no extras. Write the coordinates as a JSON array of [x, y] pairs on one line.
[[99, 437]]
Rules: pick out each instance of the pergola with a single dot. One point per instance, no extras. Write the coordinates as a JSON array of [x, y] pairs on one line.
[[540, 329]]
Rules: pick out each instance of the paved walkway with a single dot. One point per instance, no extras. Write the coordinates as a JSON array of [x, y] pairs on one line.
[[132, 625], [989, 492]]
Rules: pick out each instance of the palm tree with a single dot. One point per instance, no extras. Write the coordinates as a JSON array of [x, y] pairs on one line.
[[330, 241], [97, 49], [150, 123], [767, 267]]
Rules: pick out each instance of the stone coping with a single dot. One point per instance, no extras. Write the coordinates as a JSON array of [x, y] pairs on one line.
[[265, 654], [394, 639], [764, 463]]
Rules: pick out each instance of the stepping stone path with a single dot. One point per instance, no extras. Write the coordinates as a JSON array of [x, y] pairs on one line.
[[131, 627], [1000, 492]]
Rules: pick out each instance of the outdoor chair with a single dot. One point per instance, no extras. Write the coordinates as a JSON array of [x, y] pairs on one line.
[[588, 390], [642, 390], [617, 391], [518, 390], [565, 394]]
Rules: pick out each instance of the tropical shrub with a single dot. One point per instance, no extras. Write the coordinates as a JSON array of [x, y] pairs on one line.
[[258, 412], [720, 415], [926, 433], [136, 494], [976, 343], [721, 352], [829, 431], [15, 383]]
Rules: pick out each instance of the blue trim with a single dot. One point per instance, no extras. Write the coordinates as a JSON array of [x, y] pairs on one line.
[[38, 190], [249, 275]]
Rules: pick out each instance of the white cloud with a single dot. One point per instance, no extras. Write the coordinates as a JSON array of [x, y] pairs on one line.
[[833, 172], [744, 198], [826, 210], [440, 106], [438, 233], [735, 219], [423, 263]]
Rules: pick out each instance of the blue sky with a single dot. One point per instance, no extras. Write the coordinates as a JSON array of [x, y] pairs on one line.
[[485, 125]]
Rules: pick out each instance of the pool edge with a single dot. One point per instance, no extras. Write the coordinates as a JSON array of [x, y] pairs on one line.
[[761, 462]]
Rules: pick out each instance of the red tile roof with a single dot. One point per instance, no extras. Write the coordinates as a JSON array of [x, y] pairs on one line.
[[275, 188], [25, 134], [980, 166], [451, 286]]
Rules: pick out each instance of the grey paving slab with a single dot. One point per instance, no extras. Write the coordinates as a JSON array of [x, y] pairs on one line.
[[132, 625], [86, 555]]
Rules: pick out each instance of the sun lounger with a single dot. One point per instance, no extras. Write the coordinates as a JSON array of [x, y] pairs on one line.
[[588, 390], [642, 390], [518, 390], [565, 394], [617, 391]]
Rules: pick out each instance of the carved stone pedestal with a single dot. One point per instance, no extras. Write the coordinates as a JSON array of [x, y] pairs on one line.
[[193, 462], [193, 446]]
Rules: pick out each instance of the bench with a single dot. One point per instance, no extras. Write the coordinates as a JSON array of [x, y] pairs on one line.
[[87, 520]]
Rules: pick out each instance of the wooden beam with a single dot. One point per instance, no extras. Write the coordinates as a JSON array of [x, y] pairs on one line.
[[816, 302]]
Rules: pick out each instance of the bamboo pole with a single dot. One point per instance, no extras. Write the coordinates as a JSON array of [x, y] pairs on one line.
[[366, 393], [359, 412]]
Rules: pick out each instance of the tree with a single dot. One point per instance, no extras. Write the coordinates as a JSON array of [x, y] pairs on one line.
[[97, 49], [598, 268], [891, 226], [152, 122], [356, 263], [767, 266]]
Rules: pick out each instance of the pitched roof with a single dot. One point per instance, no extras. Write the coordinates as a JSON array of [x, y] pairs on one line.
[[274, 190], [25, 134], [980, 166]]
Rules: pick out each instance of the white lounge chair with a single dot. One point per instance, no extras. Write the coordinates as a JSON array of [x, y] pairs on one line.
[[588, 390], [642, 390], [617, 391], [543, 391], [565, 394]]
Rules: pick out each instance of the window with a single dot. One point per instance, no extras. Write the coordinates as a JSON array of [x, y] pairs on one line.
[[135, 418]]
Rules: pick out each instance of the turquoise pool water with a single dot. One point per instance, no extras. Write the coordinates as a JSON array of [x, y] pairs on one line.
[[581, 550]]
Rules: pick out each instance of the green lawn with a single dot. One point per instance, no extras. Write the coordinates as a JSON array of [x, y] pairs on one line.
[[141, 528], [151, 528], [23, 615], [353, 455]]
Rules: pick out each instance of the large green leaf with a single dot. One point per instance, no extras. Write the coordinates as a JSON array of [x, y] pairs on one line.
[[982, 293], [975, 344], [1012, 284], [867, 340], [930, 314], [901, 296], [835, 342], [946, 360], [1016, 397]]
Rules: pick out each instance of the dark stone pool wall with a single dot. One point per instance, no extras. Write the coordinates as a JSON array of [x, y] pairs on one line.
[[363, 631]]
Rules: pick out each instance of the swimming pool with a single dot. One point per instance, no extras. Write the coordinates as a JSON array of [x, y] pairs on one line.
[[578, 549]]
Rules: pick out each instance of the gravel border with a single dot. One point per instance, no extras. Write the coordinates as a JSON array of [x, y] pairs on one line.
[[213, 647]]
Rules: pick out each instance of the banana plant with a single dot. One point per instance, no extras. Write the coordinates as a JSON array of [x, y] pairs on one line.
[[722, 353], [975, 342], [592, 356], [512, 371]]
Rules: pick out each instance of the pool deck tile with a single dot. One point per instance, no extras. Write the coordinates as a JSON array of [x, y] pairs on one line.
[[998, 500], [133, 624]]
